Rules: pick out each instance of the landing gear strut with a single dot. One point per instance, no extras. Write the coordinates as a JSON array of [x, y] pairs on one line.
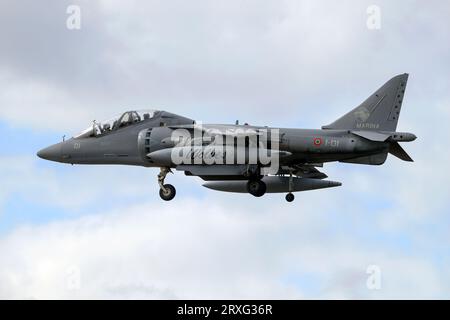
[[167, 191], [290, 196]]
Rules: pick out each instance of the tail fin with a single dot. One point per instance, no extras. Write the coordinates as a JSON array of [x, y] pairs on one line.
[[380, 112]]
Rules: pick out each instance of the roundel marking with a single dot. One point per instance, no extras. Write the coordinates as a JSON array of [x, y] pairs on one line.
[[317, 141]]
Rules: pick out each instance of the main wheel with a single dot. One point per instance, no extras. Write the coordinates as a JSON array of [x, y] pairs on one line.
[[290, 197], [256, 188], [168, 193]]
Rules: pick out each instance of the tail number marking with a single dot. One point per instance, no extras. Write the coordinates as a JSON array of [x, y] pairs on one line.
[[333, 143]]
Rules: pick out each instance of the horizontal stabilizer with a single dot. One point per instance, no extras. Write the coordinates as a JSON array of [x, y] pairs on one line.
[[372, 135], [396, 150]]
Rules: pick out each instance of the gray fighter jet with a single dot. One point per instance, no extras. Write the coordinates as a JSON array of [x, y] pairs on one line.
[[243, 158]]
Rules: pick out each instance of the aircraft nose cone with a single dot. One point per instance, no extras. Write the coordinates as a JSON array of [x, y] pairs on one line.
[[52, 153]]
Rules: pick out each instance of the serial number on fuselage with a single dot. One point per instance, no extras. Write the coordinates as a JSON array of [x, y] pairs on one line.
[[334, 143]]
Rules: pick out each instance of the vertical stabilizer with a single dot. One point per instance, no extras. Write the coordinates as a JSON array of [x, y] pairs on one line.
[[379, 112]]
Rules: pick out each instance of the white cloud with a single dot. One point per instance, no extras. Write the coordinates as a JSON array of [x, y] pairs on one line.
[[186, 250], [213, 62], [276, 63], [40, 104], [75, 188]]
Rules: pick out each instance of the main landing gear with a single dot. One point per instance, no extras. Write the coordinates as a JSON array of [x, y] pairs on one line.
[[256, 187], [167, 191]]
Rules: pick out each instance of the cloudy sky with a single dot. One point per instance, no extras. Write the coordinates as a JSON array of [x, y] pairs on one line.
[[102, 232]]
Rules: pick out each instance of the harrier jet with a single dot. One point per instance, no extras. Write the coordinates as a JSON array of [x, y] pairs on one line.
[[240, 157]]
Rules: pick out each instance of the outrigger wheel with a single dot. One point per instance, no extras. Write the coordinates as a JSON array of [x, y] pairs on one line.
[[290, 197], [167, 191]]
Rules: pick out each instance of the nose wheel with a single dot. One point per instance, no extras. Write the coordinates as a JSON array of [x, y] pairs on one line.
[[167, 191]]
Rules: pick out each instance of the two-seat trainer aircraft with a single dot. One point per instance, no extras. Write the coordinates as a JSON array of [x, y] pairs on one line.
[[243, 158]]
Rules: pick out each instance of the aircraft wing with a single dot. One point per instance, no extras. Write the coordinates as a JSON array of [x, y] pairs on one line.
[[222, 129], [305, 171], [217, 172], [208, 172]]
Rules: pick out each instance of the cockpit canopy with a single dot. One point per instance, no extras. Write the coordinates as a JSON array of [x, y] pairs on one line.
[[124, 120]]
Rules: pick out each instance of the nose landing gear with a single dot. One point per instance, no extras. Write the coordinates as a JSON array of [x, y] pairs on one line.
[[167, 191]]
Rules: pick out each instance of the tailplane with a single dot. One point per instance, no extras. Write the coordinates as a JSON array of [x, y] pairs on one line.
[[396, 150]]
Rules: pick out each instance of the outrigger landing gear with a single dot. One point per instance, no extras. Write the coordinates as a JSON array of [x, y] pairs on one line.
[[167, 191], [290, 196]]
